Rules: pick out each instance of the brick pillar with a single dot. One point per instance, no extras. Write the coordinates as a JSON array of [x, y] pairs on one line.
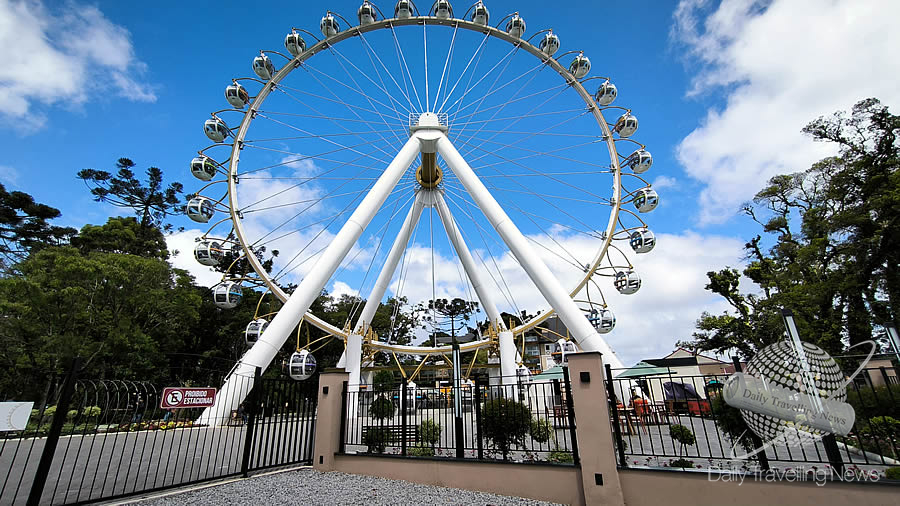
[[328, 418], [593, 430]]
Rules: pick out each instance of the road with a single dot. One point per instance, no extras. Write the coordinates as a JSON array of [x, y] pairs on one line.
[[94, 466]]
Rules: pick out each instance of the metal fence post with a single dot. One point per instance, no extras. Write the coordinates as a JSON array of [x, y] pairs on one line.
[[613, 403], [570, 408], [62, 408], [757, 442], [403, 418], [342, 444], [251, 409], [478, 441], [833, 453]]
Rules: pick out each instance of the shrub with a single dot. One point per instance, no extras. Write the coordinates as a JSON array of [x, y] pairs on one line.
[[420, 450], [682, 463], [91, 411], [384, 380], [683, 435], [49, 412], [561, 456], [430, 432], [871, 402], [541, 430], [382, 408], [505, 422], [71, 414], [376, 438], [884, 426], [892, 473], [730, 421]]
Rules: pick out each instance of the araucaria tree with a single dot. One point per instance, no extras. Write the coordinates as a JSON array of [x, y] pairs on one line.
[[445, 317], [831, 245]]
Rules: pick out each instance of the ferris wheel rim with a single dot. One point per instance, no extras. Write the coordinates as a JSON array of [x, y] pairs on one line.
[[389, 23]]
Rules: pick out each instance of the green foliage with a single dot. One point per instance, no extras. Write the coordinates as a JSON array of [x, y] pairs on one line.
[[382, 408], [892, 473], [122, 235], [884, 426], [71, 414], [91, 411], [505, 422], [384, 381], [24, 227], [420, 450], [541, 430], [377, 438], [869, 403], [152, 203], [731, 422], [829, 247], [683, 435], [682, 463], [49, 413], [430, 431], [445, 317], [561, 457]]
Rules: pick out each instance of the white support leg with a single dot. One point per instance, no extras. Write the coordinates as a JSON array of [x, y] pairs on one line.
[[237, 386], [353, 353], [508, 357], [585, 334]]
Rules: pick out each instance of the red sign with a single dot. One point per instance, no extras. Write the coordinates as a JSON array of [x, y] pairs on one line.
[[179, 397]]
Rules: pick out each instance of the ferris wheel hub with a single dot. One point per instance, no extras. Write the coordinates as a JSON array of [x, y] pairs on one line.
[[428, 121]]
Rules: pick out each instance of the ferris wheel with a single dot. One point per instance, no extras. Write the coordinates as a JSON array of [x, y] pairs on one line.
[[423, 154]]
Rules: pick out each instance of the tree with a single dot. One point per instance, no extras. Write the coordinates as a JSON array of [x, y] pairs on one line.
[[506, 422], [122, 235], [835, 245], [153, 203], [24, 227], [443, 315]]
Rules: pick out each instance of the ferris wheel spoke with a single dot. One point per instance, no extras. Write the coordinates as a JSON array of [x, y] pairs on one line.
[[372, 54], [318, 157], [313, 71], [323, 117], [393, 102], [437, 95], [355, 107], [520, 139], [398, 48], [507, 102], [550, 154], [476, 57], [470, 87]]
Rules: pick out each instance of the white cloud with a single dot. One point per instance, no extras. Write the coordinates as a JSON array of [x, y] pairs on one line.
[[780, 64], [62, 55], [663, 182], [339, 289], [183, 244], [9, 175]]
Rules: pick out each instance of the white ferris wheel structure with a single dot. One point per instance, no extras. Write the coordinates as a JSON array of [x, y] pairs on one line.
[[422, 155]]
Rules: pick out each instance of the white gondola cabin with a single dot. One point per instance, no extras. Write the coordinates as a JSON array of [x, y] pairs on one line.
[[294, 43], [580, 66], [366, 13], [263, 67], [646, 200], [627, 282], [215, 129], [606, 93], [329, 25], [626, 125], [642, 241], [640, 161], [237, 96], [603, 320], [561, 351], [443, 10], [549, 44], [403, 9], [515, 27], [480, 14], [301, 365], [203, 168], [254, 330], [200, 209], [227, 295], [209, 252]]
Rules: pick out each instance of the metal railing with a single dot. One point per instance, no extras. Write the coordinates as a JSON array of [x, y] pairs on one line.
[[525, 421], [682, 421], [102, 439]]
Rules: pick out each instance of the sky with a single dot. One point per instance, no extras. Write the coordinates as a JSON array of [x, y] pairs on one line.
[[721, 88]]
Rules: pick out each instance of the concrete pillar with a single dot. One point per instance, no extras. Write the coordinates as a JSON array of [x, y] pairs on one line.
[[593, 430], [328, 418]]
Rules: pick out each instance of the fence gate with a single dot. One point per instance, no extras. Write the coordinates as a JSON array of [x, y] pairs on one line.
[[282, 418]]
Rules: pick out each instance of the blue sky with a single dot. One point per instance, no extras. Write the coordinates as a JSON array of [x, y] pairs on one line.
[[721, 90]]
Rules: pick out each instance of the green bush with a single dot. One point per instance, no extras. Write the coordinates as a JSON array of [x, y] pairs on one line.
[[561, 457], [384, 380], [541, 430], [870, 403], [430, 432], [382, 408], [91, 411], [892, 473], [376, 438], [505, 422], [420, 450], [884, 426], [71, 414], [49, 412], [730, 421], [683, 435], [682, 463]]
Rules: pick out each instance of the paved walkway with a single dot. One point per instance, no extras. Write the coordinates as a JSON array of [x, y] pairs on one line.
[[307, 486]]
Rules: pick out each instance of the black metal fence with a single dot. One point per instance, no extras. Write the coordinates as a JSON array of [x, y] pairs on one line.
[[681, 421], [103, 439], [523, 421]]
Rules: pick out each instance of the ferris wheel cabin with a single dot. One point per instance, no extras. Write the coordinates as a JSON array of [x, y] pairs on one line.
[[562, 349], [515, 27], [403, 9], [227, 295], [200, 209], [208, 252], [263, 67], [237, 96], [480, 14], [627, 282], [329, 25], [254, 330], [580, 66], [203, 168], [366, 13], [646, 200], [606, 93], [603, 320], [626, 125], [301, 365], [215, 129], [442, 9], [640, 161], [642, 241], [294, 43], [549, 44]]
